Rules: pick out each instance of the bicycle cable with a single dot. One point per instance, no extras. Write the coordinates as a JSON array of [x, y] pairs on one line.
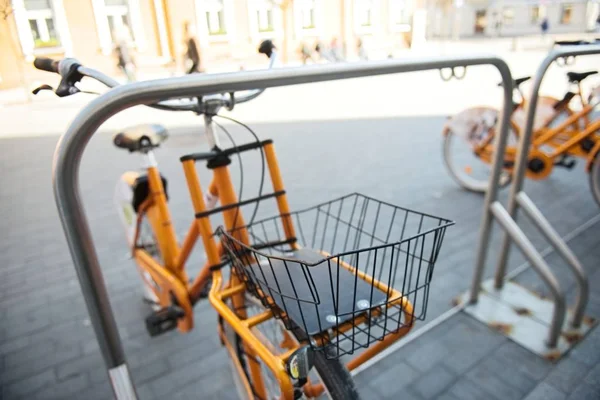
[[262, 156], [241, 191]]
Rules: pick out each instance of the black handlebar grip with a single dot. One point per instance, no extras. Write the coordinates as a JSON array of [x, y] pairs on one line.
[[46, 64]]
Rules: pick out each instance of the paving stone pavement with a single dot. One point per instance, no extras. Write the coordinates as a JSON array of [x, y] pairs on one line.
[[48, 348]]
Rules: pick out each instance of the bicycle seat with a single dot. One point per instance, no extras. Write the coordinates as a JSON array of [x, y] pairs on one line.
[[576, 77], [517, 82], [141, 137]]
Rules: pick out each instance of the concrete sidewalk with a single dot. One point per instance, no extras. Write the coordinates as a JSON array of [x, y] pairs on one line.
[[48, 349]]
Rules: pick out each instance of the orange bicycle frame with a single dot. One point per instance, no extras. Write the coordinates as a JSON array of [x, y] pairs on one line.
[[173, 284]]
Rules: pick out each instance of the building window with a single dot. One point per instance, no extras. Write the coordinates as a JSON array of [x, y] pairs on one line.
[[215, 21], [508, 16], [215, 17], [42, 25], [307, 17], [308, 14], [364, 10], [118, 20], [366, 14], [480, 21], [401, 12], [265, 19], [535, 14], [566, 14]]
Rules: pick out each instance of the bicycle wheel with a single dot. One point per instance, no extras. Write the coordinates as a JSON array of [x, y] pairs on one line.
[[146, 238], [334, 376], [147, 241], [594, 177], [466, 167]]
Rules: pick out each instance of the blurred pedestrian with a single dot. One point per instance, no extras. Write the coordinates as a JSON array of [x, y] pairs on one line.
[[306, 53], [544, 26], [360, 48], [498, 23], [323, 52], [191, 59], [336, 50], [122, 51]]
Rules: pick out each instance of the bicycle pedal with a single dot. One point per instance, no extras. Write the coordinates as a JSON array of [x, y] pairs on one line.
[[566, 163], [163, 320]]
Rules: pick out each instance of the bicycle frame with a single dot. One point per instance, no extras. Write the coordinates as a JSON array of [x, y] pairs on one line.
[[172, 279], [562, 139]]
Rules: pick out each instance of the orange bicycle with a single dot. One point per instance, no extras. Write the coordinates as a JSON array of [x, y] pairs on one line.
[[327, 287], [560, 135]]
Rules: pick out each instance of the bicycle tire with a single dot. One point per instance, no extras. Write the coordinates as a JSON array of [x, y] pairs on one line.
[[146, 237], [594, 177], [335, 377], [468, 183], [152, 248]]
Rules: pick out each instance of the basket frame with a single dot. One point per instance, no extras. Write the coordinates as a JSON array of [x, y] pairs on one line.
[[327, 337]]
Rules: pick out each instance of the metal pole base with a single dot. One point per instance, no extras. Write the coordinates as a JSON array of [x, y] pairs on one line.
[[525, 318], [121, 383]]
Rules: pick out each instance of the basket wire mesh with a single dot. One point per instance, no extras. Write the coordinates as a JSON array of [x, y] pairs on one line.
[[357, 269]]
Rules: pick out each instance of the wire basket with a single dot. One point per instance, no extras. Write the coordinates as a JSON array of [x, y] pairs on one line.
[[341, 274]]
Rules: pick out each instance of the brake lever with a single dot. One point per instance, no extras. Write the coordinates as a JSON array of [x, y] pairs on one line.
[[65, 89], [42, 87]]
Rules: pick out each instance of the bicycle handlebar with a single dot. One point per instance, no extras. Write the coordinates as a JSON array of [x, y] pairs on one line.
[[576, 42], [72, 71], [46, 64]]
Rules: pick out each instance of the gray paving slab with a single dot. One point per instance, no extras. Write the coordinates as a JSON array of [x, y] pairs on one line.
[[48, 349], [434, 383], [545, 391]]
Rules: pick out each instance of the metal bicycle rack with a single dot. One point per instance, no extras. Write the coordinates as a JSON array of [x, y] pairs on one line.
[[506, 306], [71, 145]]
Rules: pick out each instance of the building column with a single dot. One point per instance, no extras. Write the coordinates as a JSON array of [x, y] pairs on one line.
[[419, 25], [162, 27], [286, 15], [346, 13]]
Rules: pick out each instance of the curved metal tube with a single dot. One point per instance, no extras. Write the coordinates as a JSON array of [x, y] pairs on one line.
[[71, 145], [519, 176], [537, 261], [565, 252], [112, 83], [177, 105]]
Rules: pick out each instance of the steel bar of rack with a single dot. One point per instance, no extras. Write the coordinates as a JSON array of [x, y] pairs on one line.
[[517, 197], [71, 146]]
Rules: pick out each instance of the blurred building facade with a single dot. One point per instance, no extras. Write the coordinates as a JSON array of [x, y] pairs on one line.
[[227, 30], [468, 18]]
